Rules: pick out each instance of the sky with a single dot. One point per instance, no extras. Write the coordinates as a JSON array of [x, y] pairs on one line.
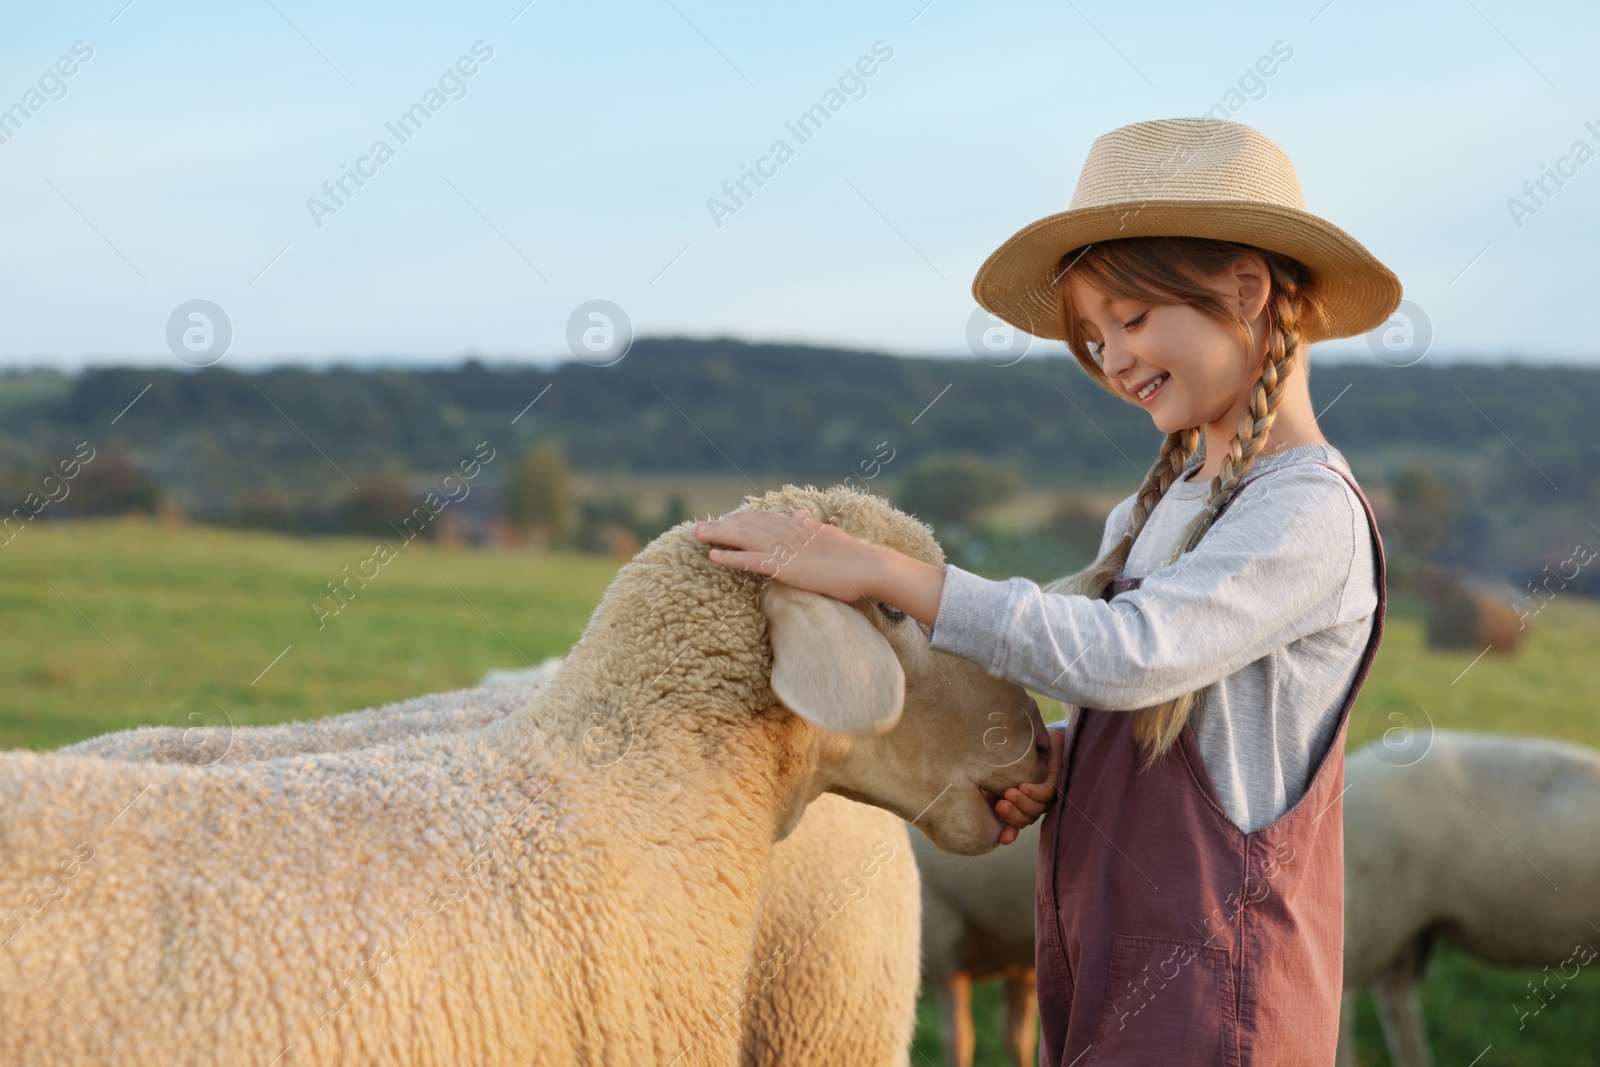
[[185, 157]]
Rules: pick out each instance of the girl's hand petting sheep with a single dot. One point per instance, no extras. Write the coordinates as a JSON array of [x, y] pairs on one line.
[[798, 550]]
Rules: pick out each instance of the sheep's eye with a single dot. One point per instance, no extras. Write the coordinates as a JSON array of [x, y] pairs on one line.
[[892, 613]]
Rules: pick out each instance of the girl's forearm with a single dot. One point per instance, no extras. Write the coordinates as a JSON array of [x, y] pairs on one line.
[[909, 584]]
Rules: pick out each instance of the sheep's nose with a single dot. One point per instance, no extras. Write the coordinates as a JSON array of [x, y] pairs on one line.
[[1043, 750]]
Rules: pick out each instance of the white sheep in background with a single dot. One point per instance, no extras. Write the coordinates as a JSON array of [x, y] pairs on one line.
[[215, 740], [1490, 841], [212, 739], [530, 675], [977, 923], [524, 891], [456, 712], [834, 977]]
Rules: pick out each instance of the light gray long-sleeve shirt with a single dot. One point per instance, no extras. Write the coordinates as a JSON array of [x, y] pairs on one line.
[[1269, 613]]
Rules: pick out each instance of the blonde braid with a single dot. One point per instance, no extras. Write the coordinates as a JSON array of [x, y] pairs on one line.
[[1095, 580], [1169, 466]]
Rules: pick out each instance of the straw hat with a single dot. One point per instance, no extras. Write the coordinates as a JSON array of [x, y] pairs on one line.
[[1195, 177]]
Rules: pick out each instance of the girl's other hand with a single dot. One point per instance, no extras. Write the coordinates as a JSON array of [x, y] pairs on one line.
[[1024, 803]]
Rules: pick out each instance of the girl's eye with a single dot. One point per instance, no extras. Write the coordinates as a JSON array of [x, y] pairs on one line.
[[1097, 351]]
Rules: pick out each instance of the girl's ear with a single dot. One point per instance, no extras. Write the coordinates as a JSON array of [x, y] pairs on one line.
[[830, 666], [1252, 283]]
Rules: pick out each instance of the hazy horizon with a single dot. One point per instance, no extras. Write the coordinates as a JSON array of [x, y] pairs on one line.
[[375, 361]]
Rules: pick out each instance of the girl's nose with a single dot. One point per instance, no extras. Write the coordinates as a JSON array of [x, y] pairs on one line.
[[1114, 359]]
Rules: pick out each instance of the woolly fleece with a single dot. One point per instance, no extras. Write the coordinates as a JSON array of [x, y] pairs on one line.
[[513, 894]]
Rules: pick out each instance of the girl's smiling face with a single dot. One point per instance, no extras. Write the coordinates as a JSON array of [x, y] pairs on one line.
[[1199, 365]]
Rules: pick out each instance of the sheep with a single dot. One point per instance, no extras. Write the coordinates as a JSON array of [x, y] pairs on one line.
[[977, 922], [520, 675], [597, 899], [835, 972], [206, 740], [1487, 840], [834, 978]]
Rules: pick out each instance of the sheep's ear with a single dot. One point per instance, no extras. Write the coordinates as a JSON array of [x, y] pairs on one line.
[[829, 666]]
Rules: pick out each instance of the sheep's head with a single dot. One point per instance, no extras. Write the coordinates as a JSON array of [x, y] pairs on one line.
[[927, 735], [874, 713]]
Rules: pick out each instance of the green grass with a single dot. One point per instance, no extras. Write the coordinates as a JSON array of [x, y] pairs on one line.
[[114, 623], [162, 615], [1469, 1009], [1545, 688]]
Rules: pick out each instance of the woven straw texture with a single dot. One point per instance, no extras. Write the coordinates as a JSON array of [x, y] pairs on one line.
[[1190, 177]]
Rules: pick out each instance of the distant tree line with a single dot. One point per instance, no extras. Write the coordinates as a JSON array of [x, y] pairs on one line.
[[1508, 453]]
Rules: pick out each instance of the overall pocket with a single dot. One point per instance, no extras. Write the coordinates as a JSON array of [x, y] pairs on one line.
[[1168, 1001]]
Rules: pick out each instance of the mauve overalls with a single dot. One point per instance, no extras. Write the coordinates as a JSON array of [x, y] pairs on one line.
[[1168, 936]]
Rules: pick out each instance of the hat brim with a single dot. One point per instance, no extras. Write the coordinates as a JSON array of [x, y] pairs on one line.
[[1017, 282]]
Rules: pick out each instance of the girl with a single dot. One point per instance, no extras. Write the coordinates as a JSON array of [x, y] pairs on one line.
[[1190, 904]]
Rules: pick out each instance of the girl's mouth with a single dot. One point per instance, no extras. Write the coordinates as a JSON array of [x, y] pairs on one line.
[[1151, 390]]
